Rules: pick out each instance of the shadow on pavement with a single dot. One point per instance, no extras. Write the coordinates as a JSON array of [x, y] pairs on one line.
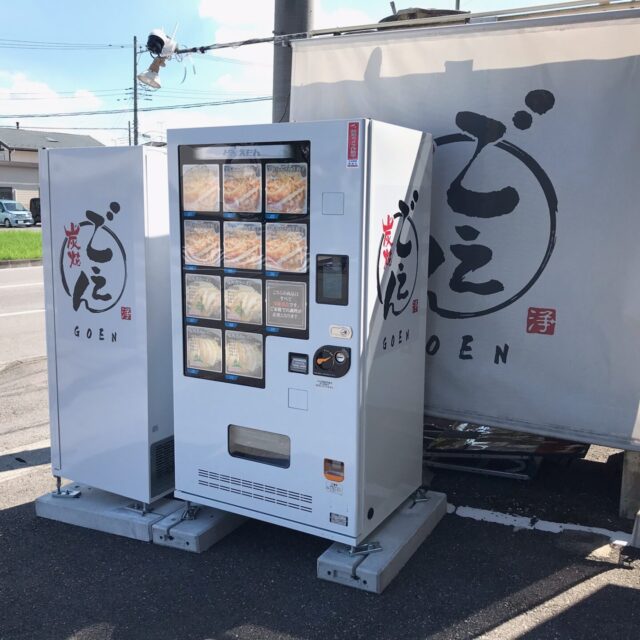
[[23, 459], [585, 614], [59, 581]]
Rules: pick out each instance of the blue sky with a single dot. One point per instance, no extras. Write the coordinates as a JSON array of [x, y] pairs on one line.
[[36, 81]]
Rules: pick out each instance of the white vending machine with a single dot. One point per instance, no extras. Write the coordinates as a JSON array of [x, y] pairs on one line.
[[105, 229], [299, 286]]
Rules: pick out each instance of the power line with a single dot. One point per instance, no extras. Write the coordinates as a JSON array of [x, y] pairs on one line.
[[54, 128], [65, 92], [72, 44], [55, 97], [200, 96], [113, 111], [27, 95], [8, 43]]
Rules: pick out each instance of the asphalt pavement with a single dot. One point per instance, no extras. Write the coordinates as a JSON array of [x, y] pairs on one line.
[[469, 579], [21, 314]]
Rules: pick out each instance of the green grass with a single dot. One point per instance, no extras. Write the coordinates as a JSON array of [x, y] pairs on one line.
[[20, 244]]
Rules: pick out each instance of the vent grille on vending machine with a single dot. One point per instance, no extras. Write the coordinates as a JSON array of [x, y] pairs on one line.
[[256, 490], [162, 466]]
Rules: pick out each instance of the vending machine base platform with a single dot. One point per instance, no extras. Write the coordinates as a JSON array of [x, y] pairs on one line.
[[194, 528], [167, 522], [85, 506], [372, 565]]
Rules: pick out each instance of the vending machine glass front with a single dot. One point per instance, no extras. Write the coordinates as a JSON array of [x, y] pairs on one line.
[[245, 255]]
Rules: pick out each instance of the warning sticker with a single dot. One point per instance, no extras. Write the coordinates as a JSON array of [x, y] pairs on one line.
[[334, 487], [338, 518]]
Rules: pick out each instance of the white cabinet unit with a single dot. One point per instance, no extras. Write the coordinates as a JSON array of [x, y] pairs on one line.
[[105, 244]]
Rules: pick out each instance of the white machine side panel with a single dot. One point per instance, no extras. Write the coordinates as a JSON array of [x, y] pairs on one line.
[[396, 293], [158, 295], [160, 381], [49, 274], [328, 427], [97, 231]]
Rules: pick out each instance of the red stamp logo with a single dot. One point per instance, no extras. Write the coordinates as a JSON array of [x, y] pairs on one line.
[[387, 242], [125, 313], [541, 320], [73, 247]]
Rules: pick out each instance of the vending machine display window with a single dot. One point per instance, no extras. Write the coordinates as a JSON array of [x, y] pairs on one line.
[[243, 300], [243, 245], [204, 348], [287, 186], [242, 187], [203, 296], [245, 255], [286, 247], [202, 243], [201, 187]]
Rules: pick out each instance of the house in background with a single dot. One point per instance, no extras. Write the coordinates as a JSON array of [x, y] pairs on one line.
[[19, 159]]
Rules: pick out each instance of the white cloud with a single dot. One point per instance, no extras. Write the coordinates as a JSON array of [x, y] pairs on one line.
[[251, 19], [20, 94], [342, 17], [255, 15], [253, 75]]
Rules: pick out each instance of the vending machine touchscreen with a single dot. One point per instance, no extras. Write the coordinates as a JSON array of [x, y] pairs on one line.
[[299, 267]]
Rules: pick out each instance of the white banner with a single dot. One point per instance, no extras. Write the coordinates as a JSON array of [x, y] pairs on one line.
[[534, 272]]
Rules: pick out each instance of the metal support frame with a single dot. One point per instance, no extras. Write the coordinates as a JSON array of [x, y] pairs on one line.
[[365, 548], [60, 493], [195, 528]]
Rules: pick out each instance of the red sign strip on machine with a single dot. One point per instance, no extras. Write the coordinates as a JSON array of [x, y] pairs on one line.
[[353, 139]]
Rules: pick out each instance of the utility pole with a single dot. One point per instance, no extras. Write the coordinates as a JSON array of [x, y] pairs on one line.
[[457, 5], [129, 128], [135, 91], [290, 16]]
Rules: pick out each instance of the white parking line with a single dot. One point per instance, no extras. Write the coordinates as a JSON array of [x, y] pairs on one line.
[[12, 474], [32, 446], [25, 284], [12, 269], [20, 313], [522, 522]]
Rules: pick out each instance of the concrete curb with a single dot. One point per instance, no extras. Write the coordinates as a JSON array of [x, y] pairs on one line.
[[14, 264]]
